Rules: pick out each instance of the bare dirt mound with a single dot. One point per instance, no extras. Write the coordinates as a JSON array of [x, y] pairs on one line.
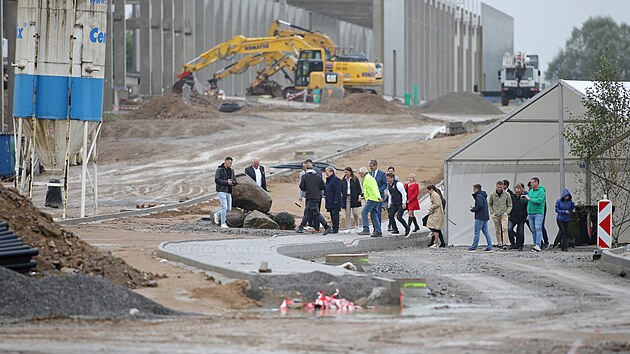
[[60, 250], [361, 103], [460, 103], [172, 107]]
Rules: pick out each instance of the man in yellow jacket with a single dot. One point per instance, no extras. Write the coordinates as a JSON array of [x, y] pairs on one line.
[[372, 197]]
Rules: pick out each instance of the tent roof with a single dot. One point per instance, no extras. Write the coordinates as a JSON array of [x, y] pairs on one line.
[[530, 132]]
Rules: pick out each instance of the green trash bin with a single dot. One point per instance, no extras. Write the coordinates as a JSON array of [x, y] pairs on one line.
[[407, 99], [317, 95]]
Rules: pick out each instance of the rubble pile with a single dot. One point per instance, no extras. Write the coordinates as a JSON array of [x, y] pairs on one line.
[[61, 251]]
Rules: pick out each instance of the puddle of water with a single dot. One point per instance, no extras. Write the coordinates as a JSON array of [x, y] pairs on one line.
[[421, 310]]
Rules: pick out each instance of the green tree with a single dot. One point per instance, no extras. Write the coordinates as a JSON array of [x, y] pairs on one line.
[[579, 59], [601, 139]]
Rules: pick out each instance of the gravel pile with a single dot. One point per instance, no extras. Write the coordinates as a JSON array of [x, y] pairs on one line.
[[60, 250], [308, 284], [209, 227], [460, 103], [22, 297]]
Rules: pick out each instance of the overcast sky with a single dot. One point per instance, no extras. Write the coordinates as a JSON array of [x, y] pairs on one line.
[[543, 26]]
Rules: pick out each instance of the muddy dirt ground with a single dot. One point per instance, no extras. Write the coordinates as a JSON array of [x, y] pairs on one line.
[[505, 302], [167, 160]]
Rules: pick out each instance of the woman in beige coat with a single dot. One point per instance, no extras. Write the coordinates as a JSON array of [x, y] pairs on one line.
[[435, 222]]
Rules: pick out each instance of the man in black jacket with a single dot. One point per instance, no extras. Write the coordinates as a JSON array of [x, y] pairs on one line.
[[518, 217], [312, 185], [224, 179], [257, 173]]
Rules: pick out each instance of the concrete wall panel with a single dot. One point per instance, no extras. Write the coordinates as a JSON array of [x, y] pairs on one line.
[[497, 38]]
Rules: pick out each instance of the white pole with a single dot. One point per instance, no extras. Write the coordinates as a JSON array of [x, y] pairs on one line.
[[2, 55], [66, 169], [18, 154], [561, 134], [84, 167], [94, 158], [32, 148]]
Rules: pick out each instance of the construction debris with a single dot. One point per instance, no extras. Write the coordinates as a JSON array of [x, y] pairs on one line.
[[173, 107], [59, 248]]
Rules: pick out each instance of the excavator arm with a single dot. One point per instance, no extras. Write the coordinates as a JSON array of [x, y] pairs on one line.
[[274, 62], [317, 39], [242, 45]]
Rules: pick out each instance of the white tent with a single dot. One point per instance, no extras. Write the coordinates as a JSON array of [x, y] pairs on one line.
[[528, 142]]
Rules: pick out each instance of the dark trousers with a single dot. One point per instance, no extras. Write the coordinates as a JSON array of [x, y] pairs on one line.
[[563, 226], [544, 231], [314, 222], [311, 212], [334, 216], [396, 212], [511, 233], [517, 238]]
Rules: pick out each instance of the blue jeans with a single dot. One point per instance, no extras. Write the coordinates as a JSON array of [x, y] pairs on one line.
[[536, 225], [226, 204], [371, 209], [481, 225]]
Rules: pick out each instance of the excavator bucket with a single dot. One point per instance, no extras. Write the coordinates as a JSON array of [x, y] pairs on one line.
[[184, 78]]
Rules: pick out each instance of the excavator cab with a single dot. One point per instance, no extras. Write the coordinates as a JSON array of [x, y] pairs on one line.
[[309, 61]]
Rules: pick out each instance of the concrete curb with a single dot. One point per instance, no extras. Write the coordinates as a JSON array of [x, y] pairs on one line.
[[191, 202], [304, 252], [612, 262]]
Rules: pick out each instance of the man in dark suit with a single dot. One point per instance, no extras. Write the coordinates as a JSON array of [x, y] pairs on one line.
[[257, 173]]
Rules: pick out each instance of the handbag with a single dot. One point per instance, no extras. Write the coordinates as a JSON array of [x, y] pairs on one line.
[[425, 219]]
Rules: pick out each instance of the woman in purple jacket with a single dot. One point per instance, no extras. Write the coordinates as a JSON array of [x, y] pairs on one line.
[[564, 208]]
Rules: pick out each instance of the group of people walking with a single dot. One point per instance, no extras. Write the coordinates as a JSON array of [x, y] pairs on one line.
[[370, 191], [516, 209], [374, 189]]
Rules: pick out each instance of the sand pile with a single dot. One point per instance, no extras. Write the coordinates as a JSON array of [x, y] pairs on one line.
[[172, 107], [61, 251], [463, 103], [361, 103]]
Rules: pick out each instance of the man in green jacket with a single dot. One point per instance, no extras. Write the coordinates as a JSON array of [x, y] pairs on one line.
[[372, 196], [536, 211], [500, 207]]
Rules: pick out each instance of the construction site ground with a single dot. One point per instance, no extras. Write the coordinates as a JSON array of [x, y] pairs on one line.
[[518, 302]]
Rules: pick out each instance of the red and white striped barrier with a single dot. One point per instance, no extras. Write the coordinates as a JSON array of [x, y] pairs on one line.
[[604, 223], [323, 302]]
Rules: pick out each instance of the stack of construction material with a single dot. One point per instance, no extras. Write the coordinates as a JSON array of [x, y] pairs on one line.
[[14, 254]]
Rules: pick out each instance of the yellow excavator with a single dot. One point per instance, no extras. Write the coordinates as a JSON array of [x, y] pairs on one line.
[[316, 53], [274, 62]]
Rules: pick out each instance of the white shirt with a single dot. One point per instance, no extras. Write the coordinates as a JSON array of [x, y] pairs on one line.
[[348, 183], [258, 176]]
